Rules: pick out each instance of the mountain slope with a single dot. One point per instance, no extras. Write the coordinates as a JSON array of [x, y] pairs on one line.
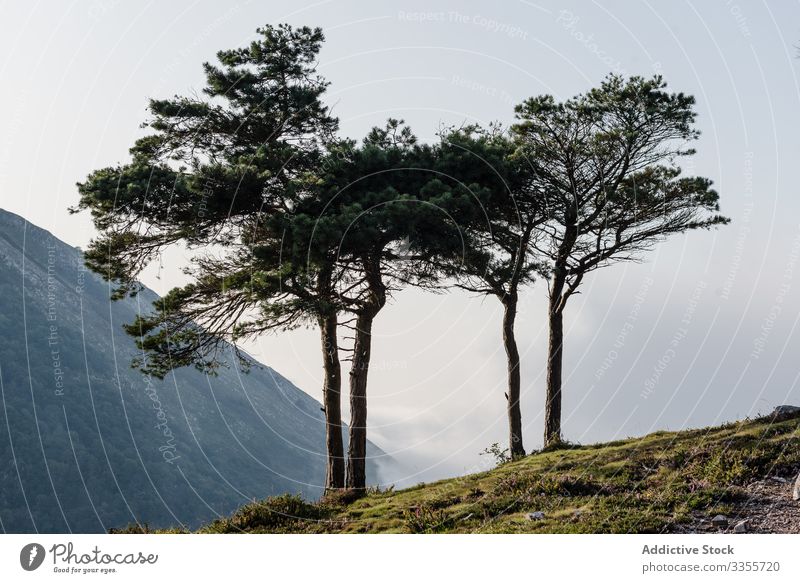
[[663, 482], [87, 443]]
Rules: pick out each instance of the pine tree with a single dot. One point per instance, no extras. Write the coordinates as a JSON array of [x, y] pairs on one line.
[[227, 175], [606, 164], [498, 229]]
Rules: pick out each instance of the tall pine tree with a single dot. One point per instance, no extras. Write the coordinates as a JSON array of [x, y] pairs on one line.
[[607, 163], [224, 175]]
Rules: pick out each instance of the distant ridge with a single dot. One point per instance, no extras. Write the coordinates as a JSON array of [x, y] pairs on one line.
[[87, 443]]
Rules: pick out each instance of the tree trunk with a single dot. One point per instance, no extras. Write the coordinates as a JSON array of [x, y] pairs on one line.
[[332, 402], [357, 447], [552, 413], [510, 343]]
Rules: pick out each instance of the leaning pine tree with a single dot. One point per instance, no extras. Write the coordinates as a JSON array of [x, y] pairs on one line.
[[393, 232], [230, 172], [607, 164], [498, 234]]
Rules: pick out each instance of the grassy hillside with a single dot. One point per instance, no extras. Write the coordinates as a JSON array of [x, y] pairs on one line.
[[651, 484]]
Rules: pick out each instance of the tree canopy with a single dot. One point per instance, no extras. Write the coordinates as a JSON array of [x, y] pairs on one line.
[[606, 165], [288, 224]]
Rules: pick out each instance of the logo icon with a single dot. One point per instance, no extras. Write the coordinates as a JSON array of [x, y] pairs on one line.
[[31, 556]]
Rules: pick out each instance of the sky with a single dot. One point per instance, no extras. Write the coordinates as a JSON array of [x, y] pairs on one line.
[[702, 331]]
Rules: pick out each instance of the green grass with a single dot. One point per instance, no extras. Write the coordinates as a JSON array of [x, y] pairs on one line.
[[643, 485]]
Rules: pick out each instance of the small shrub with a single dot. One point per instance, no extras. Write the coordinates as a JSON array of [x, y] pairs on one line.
[[424, 518], [558, 445], [444, 502], [275, 514], [492, 508], [474, 493], [501, 456], [558, 485], [132, 528], [334, 498]]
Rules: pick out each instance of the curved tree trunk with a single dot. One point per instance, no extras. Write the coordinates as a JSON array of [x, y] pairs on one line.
[[552, 413], [332, 403], [514, 413], [357, 447]]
